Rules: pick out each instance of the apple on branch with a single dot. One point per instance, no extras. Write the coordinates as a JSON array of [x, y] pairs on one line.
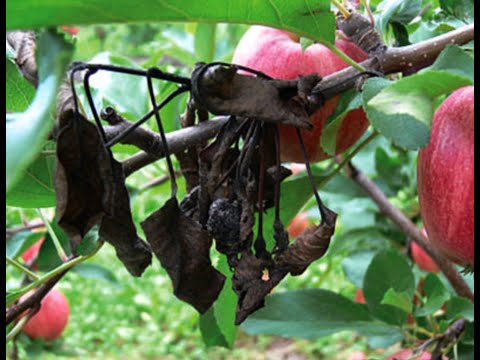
[[279, 54], [446, 179]]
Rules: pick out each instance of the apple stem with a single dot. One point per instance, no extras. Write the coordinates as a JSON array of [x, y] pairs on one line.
[[344, 57], [22, 268]]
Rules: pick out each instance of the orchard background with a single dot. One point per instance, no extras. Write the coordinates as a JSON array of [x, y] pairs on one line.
[[317, 315]]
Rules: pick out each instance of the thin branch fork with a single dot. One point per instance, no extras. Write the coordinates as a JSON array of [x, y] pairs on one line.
[[409, 228]]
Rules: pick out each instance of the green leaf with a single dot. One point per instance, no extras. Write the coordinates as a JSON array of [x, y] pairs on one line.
[[96, 272], [21, 241], [400, 11], [211, 333], [26, 132], [389, 169], [403, 110], [455, 60], [35, 189], [48, 258], [217, 324], [116, 89], [19, 92], [461, 9], [388, 270], [436, 295], [205, 42], [89, 242], [401, 300], [460, 307], [348, 101], [314, 313], [305, 43], [309, 18], [355, 266]]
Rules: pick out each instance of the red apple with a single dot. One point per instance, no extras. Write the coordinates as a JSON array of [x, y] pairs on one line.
[[278, 54], [421, 258], [359, 298], [406, 354], [357, 355], [32, 252], [50, 321], [298, 224], [445, 178]]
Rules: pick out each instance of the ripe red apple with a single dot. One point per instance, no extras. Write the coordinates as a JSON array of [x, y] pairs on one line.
[[421, 258], [298, 224], [406, 354], [32, 251], [357, 355], [445, 178], [359, 298], [50, 321], [278, 54]]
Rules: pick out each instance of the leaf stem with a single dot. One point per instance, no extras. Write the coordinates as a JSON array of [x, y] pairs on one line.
[[341, 8], [56, 242], [347, 159], [22, 268], [43, 279], [18, 327], [344, 57]]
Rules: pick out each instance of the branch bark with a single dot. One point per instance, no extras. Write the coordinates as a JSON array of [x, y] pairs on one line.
[[409, 228], [405, 59]]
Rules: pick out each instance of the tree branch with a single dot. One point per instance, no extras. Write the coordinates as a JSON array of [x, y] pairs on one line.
[[409, 228], [406, 59]]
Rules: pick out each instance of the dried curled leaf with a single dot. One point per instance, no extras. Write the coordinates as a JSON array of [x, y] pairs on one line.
[[83, 177], [309, 246], [182, 247], [118, 229], [224, 91], [249, 285]]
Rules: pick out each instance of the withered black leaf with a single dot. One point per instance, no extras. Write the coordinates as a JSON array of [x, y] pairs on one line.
[[224, 91], [249, 285], [309, 246], [118, 229], [182, 247], [83, 177]]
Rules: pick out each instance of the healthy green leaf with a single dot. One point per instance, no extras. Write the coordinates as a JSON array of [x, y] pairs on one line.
[[461, 9], [348, 101], [26, 132], [460, 307], [20, 242], [205, 42], [48, 258], [35, 189], [355, 266], [388, 270], [89, 242], [19, 92], [401, 300], [389, 169], [436, 294], [403, 110], [96, 272], [309, 18], [400, 11], [314, 313], [217, 325], [456, 61]]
